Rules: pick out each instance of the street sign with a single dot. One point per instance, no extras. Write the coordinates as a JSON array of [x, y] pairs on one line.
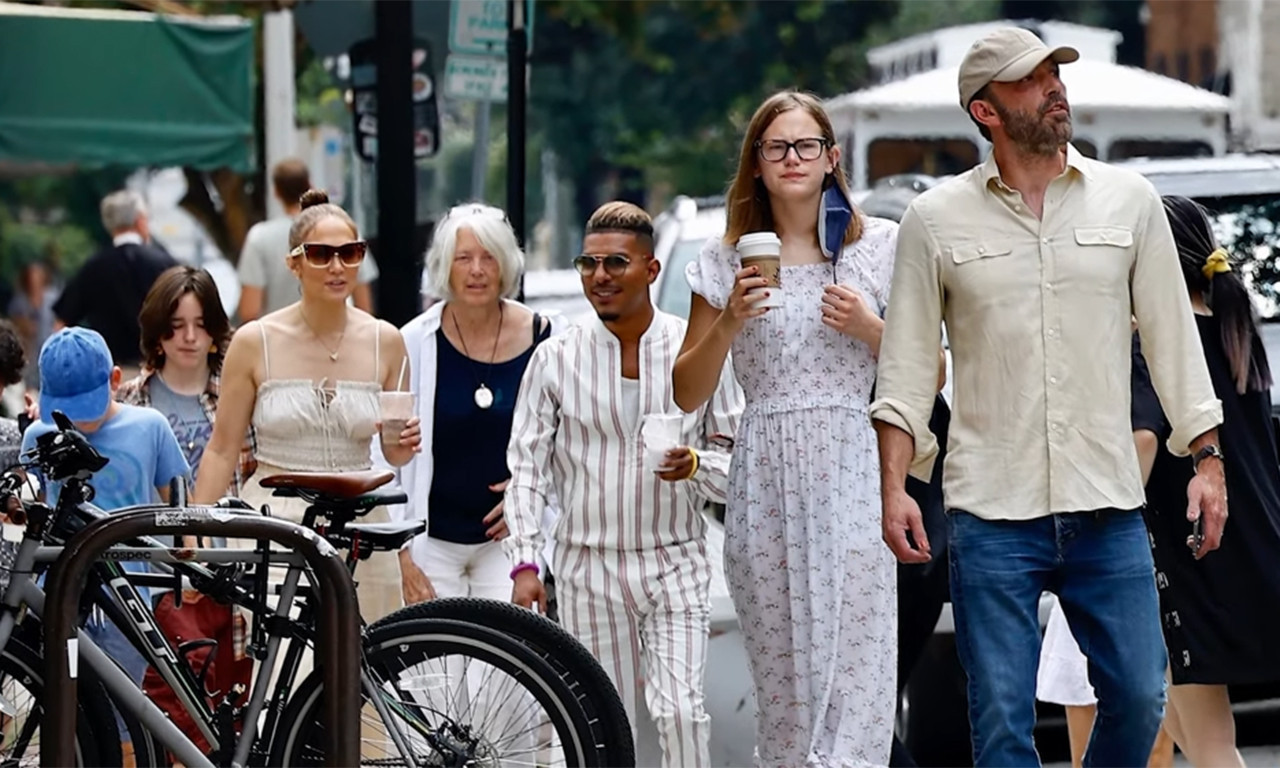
[[475, 78], [480, 26]]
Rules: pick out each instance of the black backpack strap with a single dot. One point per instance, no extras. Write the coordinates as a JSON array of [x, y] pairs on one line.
[[540, 333]]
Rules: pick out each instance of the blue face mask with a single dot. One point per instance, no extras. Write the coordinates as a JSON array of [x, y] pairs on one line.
[[834, 215]]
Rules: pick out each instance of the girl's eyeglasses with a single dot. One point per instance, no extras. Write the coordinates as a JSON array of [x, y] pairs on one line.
[[320, 255], [806, 149]]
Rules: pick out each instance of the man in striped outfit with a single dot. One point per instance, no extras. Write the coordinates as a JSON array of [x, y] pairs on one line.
[[630, 559]]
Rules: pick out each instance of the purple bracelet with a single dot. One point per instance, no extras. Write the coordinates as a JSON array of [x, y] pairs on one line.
[[524, 567]]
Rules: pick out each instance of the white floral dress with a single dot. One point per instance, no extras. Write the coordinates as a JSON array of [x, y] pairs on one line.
[[813, 584]]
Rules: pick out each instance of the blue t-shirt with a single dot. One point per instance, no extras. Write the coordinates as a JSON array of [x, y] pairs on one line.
[[142, 455]]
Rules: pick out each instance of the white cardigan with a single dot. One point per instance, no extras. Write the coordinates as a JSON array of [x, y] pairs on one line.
[[415, 477]]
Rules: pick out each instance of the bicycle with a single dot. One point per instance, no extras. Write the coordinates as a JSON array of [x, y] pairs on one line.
[[420, 732]]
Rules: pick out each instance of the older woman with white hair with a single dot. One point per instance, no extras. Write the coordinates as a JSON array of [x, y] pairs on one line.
[[467, 355]]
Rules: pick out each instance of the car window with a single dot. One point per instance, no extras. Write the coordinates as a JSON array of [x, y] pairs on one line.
[[674, 297]]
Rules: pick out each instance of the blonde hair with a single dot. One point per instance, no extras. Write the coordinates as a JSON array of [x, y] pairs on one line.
[[747, 203], [619, 216], [492, 231]]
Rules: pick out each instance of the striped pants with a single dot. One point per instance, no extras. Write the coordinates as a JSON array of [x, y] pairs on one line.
[[646, 617]]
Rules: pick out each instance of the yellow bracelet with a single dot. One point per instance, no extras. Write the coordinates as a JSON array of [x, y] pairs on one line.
[[693, 470]]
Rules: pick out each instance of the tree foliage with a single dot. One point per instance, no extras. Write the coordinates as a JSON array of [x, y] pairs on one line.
[[656, 92]]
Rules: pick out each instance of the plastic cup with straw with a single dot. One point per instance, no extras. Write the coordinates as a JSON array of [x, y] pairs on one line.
[[396, 408]]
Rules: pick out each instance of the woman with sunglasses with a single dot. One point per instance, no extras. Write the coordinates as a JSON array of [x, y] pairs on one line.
[[307, 378], [813, 587], [467, 354]]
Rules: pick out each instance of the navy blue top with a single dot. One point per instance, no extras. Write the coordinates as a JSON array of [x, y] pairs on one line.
[[469, 443]]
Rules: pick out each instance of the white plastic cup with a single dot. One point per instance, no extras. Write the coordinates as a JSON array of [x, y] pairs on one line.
[[395, 410], [763, 250], [659, 432]]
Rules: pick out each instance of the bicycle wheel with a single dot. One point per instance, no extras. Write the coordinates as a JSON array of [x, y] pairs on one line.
[[462, 694], [22, 685], [572, 661]]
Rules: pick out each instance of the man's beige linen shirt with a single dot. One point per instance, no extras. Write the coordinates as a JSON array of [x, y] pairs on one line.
[[1038, 316]]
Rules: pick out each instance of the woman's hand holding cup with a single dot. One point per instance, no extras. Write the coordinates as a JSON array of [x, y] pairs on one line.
[[745, 298]]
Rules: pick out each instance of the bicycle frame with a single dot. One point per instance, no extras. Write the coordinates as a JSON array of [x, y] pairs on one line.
[[124, 605]]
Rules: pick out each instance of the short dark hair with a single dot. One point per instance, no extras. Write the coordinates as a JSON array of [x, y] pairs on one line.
[[156, 317], [12, 359], [983, 93], [291, 179], [619, 216]]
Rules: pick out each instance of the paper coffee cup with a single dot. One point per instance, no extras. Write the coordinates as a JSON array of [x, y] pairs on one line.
[[763, 250], [395, 410], [659, 432]]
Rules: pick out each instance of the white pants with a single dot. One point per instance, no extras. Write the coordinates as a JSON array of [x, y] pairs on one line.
[[464, 570], [646, 617]]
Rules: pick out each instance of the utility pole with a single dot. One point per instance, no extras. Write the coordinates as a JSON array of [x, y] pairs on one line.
[[517, 48], [398, 282]]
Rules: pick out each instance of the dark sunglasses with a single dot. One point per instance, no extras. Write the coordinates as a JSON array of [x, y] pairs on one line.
[[320, 255], [614, 264]]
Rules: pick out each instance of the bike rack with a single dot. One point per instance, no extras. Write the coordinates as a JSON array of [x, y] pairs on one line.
[[337, 641]]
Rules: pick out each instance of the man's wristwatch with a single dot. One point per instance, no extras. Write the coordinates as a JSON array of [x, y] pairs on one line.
[[1206, 452]]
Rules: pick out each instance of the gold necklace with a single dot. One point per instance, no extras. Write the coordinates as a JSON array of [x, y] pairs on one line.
[[333, 353]]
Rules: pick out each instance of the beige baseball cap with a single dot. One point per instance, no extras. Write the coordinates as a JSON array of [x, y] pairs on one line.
[[1005, 55]]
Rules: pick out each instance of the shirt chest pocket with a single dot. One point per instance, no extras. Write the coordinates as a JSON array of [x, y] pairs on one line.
[[1103, 257]]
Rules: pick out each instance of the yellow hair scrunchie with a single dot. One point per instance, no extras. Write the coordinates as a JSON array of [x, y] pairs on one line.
[[1217, 262]]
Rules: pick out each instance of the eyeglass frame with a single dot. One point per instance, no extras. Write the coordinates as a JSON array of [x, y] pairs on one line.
[[301, 250], [823, 145], [598, 261]]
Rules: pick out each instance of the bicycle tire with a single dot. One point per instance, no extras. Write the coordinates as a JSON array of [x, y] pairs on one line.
[[598, 694], [430, 638], [97, 739]]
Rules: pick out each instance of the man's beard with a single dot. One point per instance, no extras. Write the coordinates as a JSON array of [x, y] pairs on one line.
[[609, 317], [1031, 132]]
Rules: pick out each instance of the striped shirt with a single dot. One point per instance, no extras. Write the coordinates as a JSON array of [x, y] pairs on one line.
[[572, 440]]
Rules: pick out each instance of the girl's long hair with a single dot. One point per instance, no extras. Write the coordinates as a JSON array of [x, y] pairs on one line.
[[1224, 292]]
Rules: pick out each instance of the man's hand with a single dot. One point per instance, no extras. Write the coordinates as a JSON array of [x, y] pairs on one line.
[[678, 464], [901, 515], [1207, 497], [497, 529], [415, 587], [528, 591]]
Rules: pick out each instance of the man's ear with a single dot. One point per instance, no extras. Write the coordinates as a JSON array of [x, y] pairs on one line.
[[117, 376], [984, 112]]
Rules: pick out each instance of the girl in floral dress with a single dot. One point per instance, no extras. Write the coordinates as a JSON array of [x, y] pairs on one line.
[[813, 584]]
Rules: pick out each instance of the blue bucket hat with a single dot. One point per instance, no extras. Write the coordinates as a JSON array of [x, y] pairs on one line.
[[75, 375]]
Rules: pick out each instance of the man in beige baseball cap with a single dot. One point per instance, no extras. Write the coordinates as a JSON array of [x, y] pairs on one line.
[[1035, 262]]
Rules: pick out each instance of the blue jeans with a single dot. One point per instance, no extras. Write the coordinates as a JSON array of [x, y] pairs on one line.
[[1100, 566]]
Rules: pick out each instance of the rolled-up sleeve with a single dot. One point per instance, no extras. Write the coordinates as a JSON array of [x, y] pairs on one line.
[[1170, 341], [533, 433], [907, 376]]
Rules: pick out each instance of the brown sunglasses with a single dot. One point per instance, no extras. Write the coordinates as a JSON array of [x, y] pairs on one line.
[[320, 255]]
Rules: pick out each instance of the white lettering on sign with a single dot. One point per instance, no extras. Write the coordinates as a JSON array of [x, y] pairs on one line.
[[478, 26], [475, 78]]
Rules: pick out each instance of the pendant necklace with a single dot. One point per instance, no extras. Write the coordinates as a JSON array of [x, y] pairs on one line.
[[484, 395], [333, 353]]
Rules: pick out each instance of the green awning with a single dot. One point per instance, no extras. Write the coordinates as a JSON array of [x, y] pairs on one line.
[[96, 88]]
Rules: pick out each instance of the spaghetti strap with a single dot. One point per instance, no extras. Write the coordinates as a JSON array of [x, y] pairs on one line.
[[377, 350], [266, 358]]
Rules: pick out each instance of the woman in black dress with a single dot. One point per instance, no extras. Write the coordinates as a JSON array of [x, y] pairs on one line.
[[1221, 614]]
